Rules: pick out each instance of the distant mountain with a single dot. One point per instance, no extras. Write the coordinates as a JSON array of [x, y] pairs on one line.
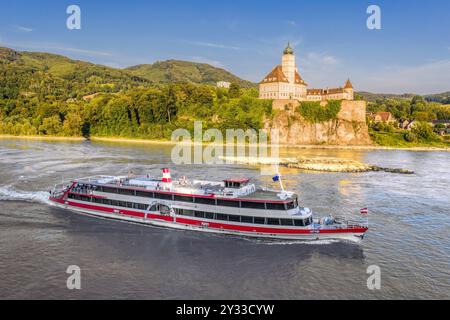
[[185, 71], [369, 96], [443, 98]]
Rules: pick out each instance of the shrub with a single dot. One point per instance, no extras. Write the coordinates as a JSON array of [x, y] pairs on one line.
[[315, 113], [424, 132], [410, 137]]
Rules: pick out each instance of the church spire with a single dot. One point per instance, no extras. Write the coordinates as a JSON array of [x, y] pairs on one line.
[[288, 49]]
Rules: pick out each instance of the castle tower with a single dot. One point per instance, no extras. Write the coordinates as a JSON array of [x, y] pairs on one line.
[[288, 64], [348, 90]]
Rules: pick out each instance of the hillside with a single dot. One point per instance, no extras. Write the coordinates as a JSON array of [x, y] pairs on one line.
[[443, 98], [43, 74], [369, 96], [184, 71]]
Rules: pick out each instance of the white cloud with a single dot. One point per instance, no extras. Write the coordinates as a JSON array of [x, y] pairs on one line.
[[214, 63], [318, 59], [291, 23], [430, 77], [212, 45], [55, 47], [23, 29]]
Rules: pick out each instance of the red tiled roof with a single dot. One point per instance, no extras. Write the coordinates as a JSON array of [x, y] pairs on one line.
[[298, 79], [276, 75], [348, 85], [385, 116], [324, 91]]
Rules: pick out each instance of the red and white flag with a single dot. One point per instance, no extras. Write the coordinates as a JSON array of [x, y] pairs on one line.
[[364, 211]]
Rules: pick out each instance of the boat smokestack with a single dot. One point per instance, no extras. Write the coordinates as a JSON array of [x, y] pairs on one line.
[[167, 178]]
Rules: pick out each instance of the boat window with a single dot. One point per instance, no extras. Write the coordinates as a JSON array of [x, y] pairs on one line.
[[273, 222], [209, 215], [142, 206], [234, 218], [253, 205], [259, 220], [275, 206], [164, 196], [98, 200], [130, 204], [223, 217], [127, 192], [199, 214], [107, 202], [145, 194], [114, 203], [188, 213], [291, 205], [84, 198], [245, 219], [299, 222], [308, 221], [165, 210], [109, 190], [154, 208], [287, 222], [228, 203], [183, 198], [122, 204], [209, 201]]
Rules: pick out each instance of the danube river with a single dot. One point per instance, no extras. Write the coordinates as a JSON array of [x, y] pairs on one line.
[[409, 237]]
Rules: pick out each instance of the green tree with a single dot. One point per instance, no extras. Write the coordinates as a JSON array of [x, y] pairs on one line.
[[234, 91], [51, 126]]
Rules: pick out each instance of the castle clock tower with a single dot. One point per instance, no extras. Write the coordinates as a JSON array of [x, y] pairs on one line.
[[288, 64]]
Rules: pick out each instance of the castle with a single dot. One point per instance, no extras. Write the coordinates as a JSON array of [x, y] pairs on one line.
[[285, 83]]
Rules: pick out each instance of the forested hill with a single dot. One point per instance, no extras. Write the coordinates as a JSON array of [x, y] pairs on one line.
[[443, 98], [43, 74], [184, 71], [47, 94]]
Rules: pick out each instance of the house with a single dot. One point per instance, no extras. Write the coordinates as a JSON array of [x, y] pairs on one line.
[[382, 117], [223, 84]]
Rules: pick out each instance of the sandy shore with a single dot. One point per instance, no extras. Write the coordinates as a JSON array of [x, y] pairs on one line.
[[164, 142]]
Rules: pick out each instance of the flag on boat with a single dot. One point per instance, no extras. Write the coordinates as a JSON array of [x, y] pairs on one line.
[[276, 178], [364, 211]]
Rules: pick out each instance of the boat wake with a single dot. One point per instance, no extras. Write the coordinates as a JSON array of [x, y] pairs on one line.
[[8, 193]]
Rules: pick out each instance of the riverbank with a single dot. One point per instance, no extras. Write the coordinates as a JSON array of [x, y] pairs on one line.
[[165, 142]]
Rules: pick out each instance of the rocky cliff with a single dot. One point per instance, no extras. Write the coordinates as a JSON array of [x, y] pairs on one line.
[[349, 128]]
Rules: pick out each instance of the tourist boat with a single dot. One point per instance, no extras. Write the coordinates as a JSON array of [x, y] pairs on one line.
[[232, 206]]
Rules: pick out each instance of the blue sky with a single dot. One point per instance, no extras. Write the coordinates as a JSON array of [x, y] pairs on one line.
[[410, 54]]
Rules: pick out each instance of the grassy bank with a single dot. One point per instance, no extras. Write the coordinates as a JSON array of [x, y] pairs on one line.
[[397, 140]]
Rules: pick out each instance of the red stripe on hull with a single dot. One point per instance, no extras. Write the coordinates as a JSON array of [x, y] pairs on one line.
[[208, 224]]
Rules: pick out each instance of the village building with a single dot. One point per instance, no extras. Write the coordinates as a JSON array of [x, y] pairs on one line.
[[386, 117], [223, 84]]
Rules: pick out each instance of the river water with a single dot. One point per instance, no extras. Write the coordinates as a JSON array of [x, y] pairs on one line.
[[409, 237]]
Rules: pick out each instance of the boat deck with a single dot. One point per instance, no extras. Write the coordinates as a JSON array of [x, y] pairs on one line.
[[205, 189]]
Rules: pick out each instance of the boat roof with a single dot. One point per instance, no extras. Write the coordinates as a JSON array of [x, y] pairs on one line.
[[198, 189]]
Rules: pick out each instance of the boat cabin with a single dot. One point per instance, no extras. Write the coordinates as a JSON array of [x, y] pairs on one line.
[[236, 183]]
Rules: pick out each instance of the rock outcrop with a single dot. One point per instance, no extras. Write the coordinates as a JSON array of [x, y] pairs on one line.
[[349, 128]]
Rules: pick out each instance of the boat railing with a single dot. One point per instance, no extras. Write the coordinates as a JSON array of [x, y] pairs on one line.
[[352, 223]]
